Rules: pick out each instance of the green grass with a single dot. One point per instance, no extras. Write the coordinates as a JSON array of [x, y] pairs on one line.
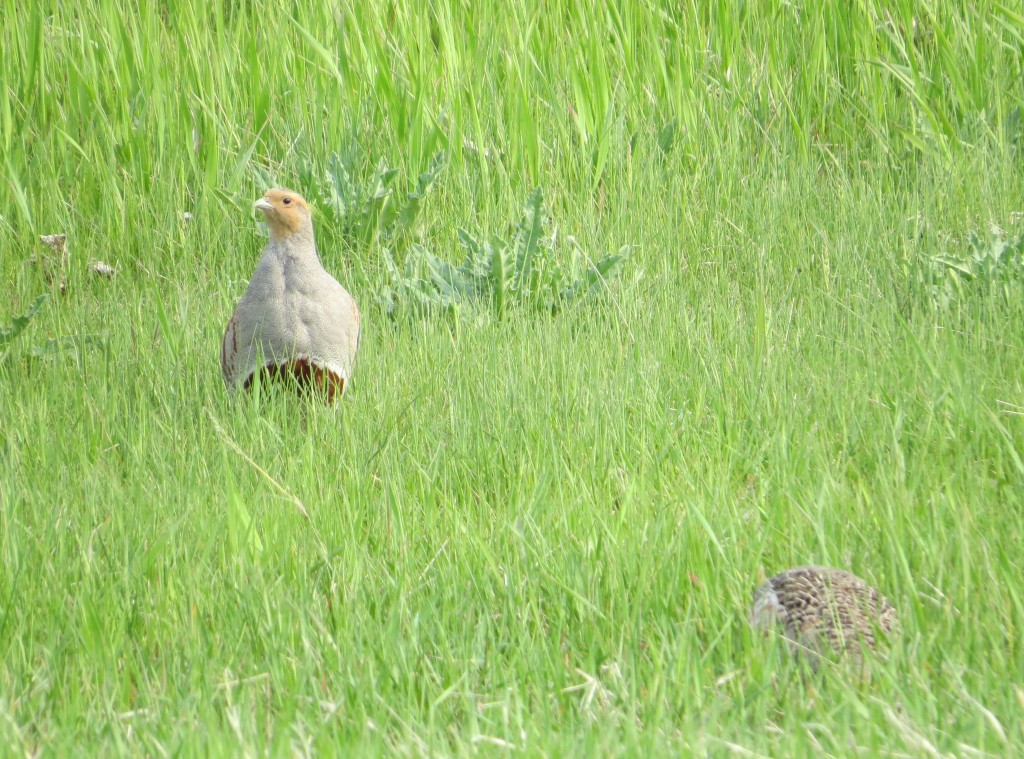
[[530, 535]]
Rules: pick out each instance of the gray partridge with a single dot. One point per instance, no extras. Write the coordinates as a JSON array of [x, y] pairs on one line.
[[294, 322], [820, 608]]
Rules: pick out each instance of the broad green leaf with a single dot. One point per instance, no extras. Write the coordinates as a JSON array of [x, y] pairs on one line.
[[18, 323], [598, 275], [526, 241], [410, 213], [955, 264], [499, 273]]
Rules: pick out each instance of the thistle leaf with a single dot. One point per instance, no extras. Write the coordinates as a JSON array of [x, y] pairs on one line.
[[18, 323]]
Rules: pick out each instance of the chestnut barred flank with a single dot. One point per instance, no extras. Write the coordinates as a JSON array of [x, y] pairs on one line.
[[304, 375]]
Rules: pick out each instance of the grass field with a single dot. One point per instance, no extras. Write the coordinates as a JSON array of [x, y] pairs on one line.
[[531, 534]]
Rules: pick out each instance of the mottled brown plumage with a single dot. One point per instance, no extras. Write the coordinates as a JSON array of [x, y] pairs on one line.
[[819, 608]]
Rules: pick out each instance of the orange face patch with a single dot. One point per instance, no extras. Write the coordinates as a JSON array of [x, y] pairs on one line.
[[286, 211], [283, 199]]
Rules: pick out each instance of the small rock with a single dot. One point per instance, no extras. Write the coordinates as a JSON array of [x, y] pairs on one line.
[[55, 268], [472, 147], [57, 242], [101, 269]]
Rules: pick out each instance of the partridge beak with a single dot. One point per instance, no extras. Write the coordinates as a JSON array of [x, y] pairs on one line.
[[263, 205]]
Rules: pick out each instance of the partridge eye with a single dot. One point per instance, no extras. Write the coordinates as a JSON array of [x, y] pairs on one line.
[[287, 201]]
